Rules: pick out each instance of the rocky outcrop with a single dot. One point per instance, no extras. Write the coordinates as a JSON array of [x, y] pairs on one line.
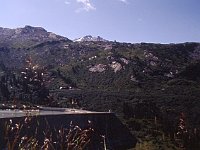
[[116, 66], [98, 68]]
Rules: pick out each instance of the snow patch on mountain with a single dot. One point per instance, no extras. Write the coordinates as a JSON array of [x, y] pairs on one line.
[[89, 38]]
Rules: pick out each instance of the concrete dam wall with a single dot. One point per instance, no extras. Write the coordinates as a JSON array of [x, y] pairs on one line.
[[117, 136]]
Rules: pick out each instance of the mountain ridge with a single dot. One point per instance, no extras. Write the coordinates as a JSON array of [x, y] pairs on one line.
[[27, 36], [141, 82]]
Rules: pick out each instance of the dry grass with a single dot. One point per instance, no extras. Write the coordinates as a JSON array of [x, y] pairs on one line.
[[21, 136]]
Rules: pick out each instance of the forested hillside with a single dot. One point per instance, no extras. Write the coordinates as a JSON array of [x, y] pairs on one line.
[[153, 88]]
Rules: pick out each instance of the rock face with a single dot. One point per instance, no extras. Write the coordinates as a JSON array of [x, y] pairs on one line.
[[98, 68], [116, 66], [26, 36]]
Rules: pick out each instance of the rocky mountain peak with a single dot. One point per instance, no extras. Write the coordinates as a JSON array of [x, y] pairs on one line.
[[88, 38], [30, 29], [27, 36]]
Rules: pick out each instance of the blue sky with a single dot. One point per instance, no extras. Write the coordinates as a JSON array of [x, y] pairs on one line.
[[159, 21]]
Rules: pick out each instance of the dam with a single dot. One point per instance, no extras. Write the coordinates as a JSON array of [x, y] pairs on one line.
[[107, 124]]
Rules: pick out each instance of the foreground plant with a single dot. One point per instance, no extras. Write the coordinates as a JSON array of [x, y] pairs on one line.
[[21, 136]]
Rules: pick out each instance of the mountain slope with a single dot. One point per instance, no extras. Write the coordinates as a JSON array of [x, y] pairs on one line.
[[132, 80], [97, 64]]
